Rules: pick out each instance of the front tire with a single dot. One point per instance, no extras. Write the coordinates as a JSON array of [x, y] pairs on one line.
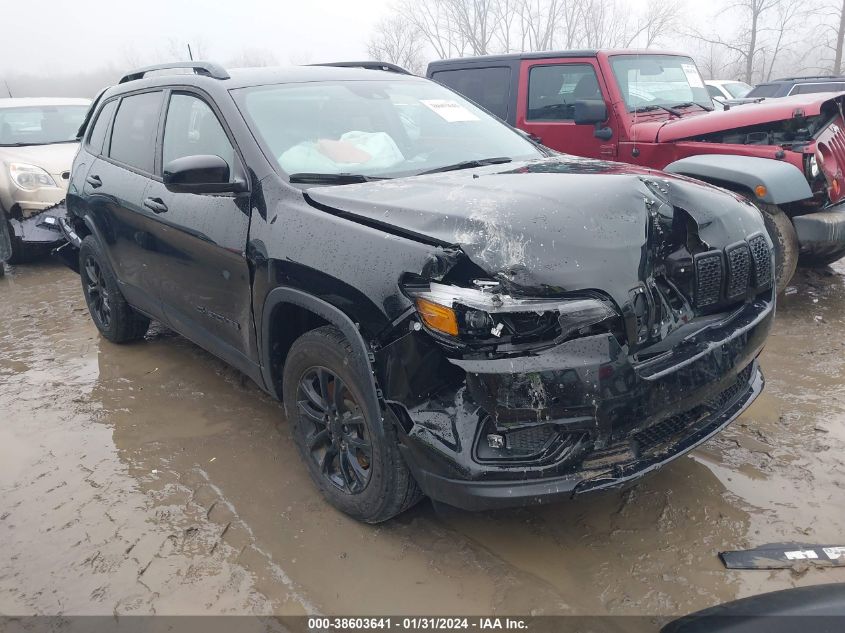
[[351, 454], [785, 240], [114, 317]]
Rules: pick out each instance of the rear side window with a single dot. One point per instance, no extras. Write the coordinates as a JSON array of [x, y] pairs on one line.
[[553, 90], [803, 89], [101, 126], [488, 87], [714, 91], [192, 129], [133, 136], [764, 90]]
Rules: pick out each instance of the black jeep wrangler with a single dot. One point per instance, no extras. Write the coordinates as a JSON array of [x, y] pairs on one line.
[[444, 307]]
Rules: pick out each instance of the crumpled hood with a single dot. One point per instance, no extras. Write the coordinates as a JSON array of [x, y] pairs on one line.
[[767, 111], [55, 159], [564, 224]]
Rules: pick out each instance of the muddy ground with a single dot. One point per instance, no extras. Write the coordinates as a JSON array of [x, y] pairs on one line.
[[152, 478]]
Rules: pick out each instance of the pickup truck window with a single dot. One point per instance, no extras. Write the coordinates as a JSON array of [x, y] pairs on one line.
[[488, 87], [382, 129], [659, 80], [192, 129], [553, 90]]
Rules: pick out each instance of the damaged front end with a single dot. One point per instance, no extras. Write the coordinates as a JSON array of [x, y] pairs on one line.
[[518, 382], [33, 235]]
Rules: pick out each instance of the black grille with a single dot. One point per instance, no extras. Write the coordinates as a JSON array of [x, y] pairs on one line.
[[739, 270], [708, 278], [529, 440], [664, 430], [762, 257]]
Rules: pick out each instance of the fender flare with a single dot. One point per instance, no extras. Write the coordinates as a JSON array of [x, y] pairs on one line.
[[784, 182], [361, 350]]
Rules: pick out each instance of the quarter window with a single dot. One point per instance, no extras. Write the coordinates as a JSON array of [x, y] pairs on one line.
[[192, 129], [101, 126], [133, 136], [553, 90]]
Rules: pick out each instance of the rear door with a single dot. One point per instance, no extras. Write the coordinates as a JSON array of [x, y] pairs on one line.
[[114, 191], [548, 90], [205, 283]]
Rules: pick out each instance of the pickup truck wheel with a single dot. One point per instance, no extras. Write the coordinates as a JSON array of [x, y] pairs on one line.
[[351, 454], [115, 318], [785, 241], [812, 260]]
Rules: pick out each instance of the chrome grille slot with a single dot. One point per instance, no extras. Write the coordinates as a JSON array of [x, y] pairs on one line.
[[762, 257], [709, 272], [739, 270]]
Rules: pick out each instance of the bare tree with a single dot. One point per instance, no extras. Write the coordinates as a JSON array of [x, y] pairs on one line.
[[398, 41], [832, 31], [253, 57], [747, 44]]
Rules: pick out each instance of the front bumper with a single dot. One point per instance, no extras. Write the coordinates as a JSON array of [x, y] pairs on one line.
[[598, 417], [821, 232]]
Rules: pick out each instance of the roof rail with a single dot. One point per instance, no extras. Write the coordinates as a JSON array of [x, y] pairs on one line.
[[207, 69], [386, 66], [810, 77]]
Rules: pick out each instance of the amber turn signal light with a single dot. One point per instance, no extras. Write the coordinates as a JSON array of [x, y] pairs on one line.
[[761, 191], [438, 317]]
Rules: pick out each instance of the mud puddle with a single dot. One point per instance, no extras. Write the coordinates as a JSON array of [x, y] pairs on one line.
[[152, 478]]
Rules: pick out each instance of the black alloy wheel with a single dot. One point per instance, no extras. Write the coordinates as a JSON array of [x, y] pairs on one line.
[[97, 292], [338, 439]]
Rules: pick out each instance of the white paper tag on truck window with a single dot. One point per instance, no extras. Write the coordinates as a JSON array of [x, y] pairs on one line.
[[693, 78], [450, 111]]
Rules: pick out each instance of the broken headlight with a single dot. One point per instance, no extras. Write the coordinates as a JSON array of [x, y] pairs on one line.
[[486, 315], [30, 177]]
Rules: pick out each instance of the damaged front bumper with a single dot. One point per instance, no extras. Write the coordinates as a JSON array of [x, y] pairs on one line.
[[822, 232], [581, 416], [39, 233]]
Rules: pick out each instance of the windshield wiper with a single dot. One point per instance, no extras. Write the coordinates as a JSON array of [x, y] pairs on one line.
[[308, 178], [689, 104], [652, 108], [468, 164]]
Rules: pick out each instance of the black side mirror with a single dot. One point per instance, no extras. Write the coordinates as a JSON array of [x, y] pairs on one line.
[[590, 112], [202, 173]]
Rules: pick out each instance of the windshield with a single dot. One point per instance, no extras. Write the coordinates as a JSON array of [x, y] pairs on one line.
[[737, 89], [40, 125], [648, 81], [380, 129]]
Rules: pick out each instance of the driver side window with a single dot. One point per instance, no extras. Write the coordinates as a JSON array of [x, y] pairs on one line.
[[553, 90], [193, 129]]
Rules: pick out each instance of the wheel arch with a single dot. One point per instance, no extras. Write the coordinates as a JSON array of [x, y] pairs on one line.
[[302, 312], [783, 181]]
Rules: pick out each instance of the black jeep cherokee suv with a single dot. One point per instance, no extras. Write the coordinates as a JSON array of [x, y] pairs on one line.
[[443, 306]]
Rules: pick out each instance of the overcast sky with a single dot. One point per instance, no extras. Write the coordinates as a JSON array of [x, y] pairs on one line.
[[60, 36]]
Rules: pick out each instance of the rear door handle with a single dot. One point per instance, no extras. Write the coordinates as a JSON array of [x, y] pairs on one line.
[[94, 181], [156, 205]]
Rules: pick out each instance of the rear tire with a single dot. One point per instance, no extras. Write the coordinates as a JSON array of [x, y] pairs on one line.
[[351, 454], [114, 317], [785, 240]]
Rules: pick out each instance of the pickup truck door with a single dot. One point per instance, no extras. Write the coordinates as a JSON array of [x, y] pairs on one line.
[[205, 286], [548, 89]]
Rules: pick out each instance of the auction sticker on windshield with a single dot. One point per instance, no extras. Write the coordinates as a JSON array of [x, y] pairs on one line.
[[693, 78], [450, 111]]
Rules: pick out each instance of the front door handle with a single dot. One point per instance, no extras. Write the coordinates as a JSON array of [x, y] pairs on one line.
[[156, 205], [94, 181]]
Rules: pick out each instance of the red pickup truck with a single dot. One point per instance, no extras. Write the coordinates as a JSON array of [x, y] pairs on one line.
[[653, 109]]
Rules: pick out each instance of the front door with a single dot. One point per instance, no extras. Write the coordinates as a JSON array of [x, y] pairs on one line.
[[548, 90], [205, 288]]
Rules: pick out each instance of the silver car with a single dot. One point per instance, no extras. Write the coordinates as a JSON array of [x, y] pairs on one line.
[[37, 146]]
